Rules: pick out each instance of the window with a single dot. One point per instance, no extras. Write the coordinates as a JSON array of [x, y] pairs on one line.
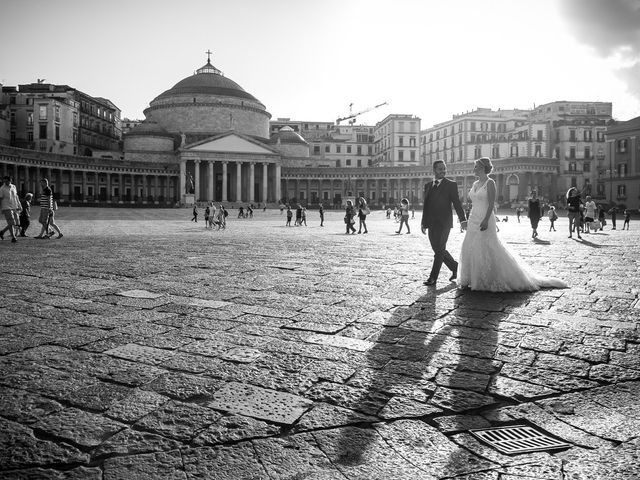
[[600, 136], [43, 146], [401, 141], [369, 150], [401, 155], [538, 152], [348, 162], [477, 152], [316, 149], [57, 112], [473, 126], [327, 148], [622, 169], [337, 163], [29, 118], [572, 135], [337, 148], [572, 152], [587, 153], [401, 126], [42, 112], [57, 132], [587, 136], [622, 145], [43, 131], [586, 167], [573, 167], [514, 151], [30, 136], [539, 135], [359, 162], [412, 155], [495, 151], [622, 191], [359, 150], [348, 148]]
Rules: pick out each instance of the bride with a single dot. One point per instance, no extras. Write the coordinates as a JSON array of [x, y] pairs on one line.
[[485, 263]]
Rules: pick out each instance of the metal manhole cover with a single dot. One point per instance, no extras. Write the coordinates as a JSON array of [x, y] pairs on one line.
[[518, 439]]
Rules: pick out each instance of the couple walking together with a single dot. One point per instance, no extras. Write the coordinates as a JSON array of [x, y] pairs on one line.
[[485, 263]]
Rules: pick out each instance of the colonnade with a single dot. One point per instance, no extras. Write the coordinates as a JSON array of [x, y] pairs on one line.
[[75, 184], [227, 180]]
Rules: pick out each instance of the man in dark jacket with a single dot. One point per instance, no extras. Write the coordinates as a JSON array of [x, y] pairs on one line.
[[439, 196]]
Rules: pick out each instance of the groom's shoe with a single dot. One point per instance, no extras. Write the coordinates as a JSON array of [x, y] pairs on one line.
[[430, 281], [453, 277]]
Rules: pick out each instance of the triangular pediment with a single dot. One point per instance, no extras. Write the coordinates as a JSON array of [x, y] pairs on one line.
[[230, 142]]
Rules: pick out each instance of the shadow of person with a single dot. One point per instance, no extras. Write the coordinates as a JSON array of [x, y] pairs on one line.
[[433, 359], [588, 243]]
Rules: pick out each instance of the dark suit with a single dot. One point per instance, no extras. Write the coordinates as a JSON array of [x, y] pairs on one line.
[[438, 219]]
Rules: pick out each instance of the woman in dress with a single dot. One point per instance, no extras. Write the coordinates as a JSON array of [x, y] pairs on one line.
[[485, 263], [535, 212]]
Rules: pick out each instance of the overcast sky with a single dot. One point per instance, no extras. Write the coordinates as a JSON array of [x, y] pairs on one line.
[[310, 59]]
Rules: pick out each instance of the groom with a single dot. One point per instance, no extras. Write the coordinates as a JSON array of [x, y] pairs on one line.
[[439, 196]]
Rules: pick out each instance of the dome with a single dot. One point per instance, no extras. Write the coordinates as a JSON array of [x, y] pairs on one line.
[[207, 80], [287, 135]]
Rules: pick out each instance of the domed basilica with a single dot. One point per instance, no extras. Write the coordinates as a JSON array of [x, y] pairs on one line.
[[219, 135]]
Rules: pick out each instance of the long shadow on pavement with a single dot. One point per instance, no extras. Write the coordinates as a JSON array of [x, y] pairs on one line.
[[435, 358]]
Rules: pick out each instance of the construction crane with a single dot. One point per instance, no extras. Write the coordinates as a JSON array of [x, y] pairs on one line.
[[352, 116]]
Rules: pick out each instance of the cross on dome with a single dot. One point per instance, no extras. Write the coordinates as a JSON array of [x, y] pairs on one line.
[[208, 68]]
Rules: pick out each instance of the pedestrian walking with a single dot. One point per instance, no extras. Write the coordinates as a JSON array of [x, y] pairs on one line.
[[349, 218], [25, 214], [47, 208], [321, 212], [207, 213], [289, 216], [195, 213], [613, 211], [10, 207], [404, 215], [299, 215], [553, 216], [440, 195], [518, 212], [535, 212], [590, 214], [627, 219], [363, 211], [573, 210]]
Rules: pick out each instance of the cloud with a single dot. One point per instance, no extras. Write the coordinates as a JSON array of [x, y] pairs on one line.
[[610, 26]]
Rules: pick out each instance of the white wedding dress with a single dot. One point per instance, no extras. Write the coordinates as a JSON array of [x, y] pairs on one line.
[[486, 264]]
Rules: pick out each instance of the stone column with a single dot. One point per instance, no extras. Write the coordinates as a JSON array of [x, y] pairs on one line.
[[84, 187], [277, 181], [145, 188], [238, 181], [108, 187], [96, 188], [252, 181], [133, 188], [167, 190], [196, 191], [156, 188], [183, 179], [224, 181], [210, 197], [265, 180], [120, 188]]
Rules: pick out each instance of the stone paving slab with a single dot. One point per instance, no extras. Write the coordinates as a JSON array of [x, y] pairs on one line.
[[141, 345]]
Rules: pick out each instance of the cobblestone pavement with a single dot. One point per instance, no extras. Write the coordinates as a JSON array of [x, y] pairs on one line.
[[141, 346]]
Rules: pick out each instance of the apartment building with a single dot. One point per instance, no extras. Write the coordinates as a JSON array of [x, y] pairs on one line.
[[62, 119], [396, 141], [619, 173]]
